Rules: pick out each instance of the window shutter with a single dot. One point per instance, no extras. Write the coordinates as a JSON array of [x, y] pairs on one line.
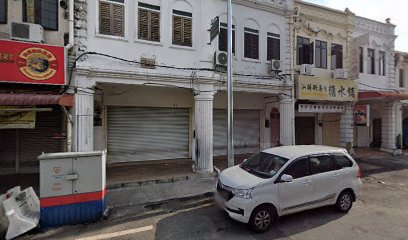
[[155, 27], [187, 32], [118, 20], [222, 40], [276, 49], [104, 18], [339, 57], [143, 24], [310, 53], [177, 30]]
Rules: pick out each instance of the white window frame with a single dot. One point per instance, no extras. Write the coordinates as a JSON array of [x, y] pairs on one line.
[[137, 24], [257, 60], [280, 44], [192, 30], [125, 16]]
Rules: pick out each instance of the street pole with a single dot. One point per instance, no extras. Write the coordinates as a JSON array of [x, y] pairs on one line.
[[230, 141]]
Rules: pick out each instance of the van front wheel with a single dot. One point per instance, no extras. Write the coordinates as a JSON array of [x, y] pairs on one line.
[[261, 219]]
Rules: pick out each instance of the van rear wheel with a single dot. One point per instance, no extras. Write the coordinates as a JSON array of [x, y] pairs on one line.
[[344, 202], [261, 219]]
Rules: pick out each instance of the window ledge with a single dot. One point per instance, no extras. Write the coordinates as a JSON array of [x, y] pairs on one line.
[[182, 47], [251, 60], [148, 42], [123, 39]]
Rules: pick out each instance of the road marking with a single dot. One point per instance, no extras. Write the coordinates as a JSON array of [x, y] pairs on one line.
[[118, 234]]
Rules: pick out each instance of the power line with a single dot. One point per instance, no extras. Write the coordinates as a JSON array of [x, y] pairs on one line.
[[194, 70]]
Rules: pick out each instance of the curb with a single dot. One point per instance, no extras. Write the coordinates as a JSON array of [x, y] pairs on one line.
[[159, 181]]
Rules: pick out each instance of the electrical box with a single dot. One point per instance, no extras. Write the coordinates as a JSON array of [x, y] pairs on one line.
[[72, 187]]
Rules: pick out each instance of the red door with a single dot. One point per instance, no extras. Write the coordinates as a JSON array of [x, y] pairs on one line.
[[275, 127]]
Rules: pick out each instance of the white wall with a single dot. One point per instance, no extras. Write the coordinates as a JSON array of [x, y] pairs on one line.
[[381, 38], [200, 55]]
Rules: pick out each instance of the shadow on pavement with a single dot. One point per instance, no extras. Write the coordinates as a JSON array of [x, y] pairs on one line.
[[212, 223], [371, 166]]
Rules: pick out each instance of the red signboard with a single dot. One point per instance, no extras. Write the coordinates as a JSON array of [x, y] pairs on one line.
[[362, 115], [22, 62]]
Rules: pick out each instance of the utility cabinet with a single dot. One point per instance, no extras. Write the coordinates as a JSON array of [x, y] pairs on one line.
[[72, 187]]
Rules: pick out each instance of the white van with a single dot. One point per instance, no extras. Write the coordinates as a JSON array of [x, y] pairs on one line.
[[284, 180]]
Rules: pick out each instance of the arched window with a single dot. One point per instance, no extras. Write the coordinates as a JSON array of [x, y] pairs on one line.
[[251, 39], [273, 43], [183, 24], [149, 20]]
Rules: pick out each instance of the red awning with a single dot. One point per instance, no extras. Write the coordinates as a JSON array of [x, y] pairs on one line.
[[35, 99], [382, 95]]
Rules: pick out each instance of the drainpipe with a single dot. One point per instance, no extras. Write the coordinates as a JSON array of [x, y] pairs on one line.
[[67, 48], [70, 25]]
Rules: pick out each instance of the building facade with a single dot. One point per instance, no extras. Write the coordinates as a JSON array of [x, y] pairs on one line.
[[378, 85], [401, 73], [32, 103], [150, 86], [325, 93]]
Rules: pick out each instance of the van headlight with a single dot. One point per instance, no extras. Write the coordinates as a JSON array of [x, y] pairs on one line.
[[243, 193]]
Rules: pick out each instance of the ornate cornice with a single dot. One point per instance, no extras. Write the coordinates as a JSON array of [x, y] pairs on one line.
[[273, 6]]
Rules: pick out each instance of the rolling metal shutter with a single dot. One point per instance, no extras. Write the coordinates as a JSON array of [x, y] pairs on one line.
[[139, 134], [25, 145], [45, 137], [246, 131], [7, 151]]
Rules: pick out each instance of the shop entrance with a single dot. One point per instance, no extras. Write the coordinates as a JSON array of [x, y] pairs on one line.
[[305, 130]]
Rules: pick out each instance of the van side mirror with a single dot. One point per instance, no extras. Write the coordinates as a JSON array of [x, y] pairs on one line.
[[286, 178]]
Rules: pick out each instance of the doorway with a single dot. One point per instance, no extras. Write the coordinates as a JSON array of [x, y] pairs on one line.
[[305, 130], [376, 133], [275, 127]]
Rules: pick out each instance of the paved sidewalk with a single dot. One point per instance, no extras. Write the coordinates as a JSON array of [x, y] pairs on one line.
[[199, 185]]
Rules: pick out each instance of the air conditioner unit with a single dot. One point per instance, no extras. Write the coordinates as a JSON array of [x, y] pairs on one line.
[[339, 73], [28, 32], [307, 69], [220, 60], [275, 66]]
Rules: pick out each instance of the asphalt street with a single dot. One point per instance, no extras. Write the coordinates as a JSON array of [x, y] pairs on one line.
[[380, 213]]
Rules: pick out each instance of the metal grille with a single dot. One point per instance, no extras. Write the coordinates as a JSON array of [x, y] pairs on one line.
[[25, 145], [224, 191], [246, 131], [138, 134]]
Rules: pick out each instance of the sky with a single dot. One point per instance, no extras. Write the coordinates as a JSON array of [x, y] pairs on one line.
[[377, 10]]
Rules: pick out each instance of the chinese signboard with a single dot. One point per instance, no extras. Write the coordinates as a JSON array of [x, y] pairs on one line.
[[315, 88], [362, 115], [15, 119], [31, 63], [319, 108]]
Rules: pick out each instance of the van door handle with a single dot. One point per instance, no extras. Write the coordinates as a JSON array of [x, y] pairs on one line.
[[307, 182]]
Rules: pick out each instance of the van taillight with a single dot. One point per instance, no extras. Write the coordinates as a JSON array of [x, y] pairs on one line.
[[358, 172]]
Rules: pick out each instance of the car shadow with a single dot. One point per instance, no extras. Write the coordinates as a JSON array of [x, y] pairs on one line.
[[212, 223]]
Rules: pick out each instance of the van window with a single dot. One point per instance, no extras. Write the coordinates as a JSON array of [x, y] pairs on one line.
[[342, 161], [264, 164], [298, 169], [321, 164]]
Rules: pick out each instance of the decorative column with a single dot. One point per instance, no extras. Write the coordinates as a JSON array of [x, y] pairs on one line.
[[83, 112], [347, 128], [287, 120], [83, 122], [391, 118], [203, 137]]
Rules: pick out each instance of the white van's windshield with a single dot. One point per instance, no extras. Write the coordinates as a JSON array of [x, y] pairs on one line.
[[264, 165]]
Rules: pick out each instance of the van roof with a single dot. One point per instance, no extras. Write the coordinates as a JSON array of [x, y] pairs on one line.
[[301, 150]]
